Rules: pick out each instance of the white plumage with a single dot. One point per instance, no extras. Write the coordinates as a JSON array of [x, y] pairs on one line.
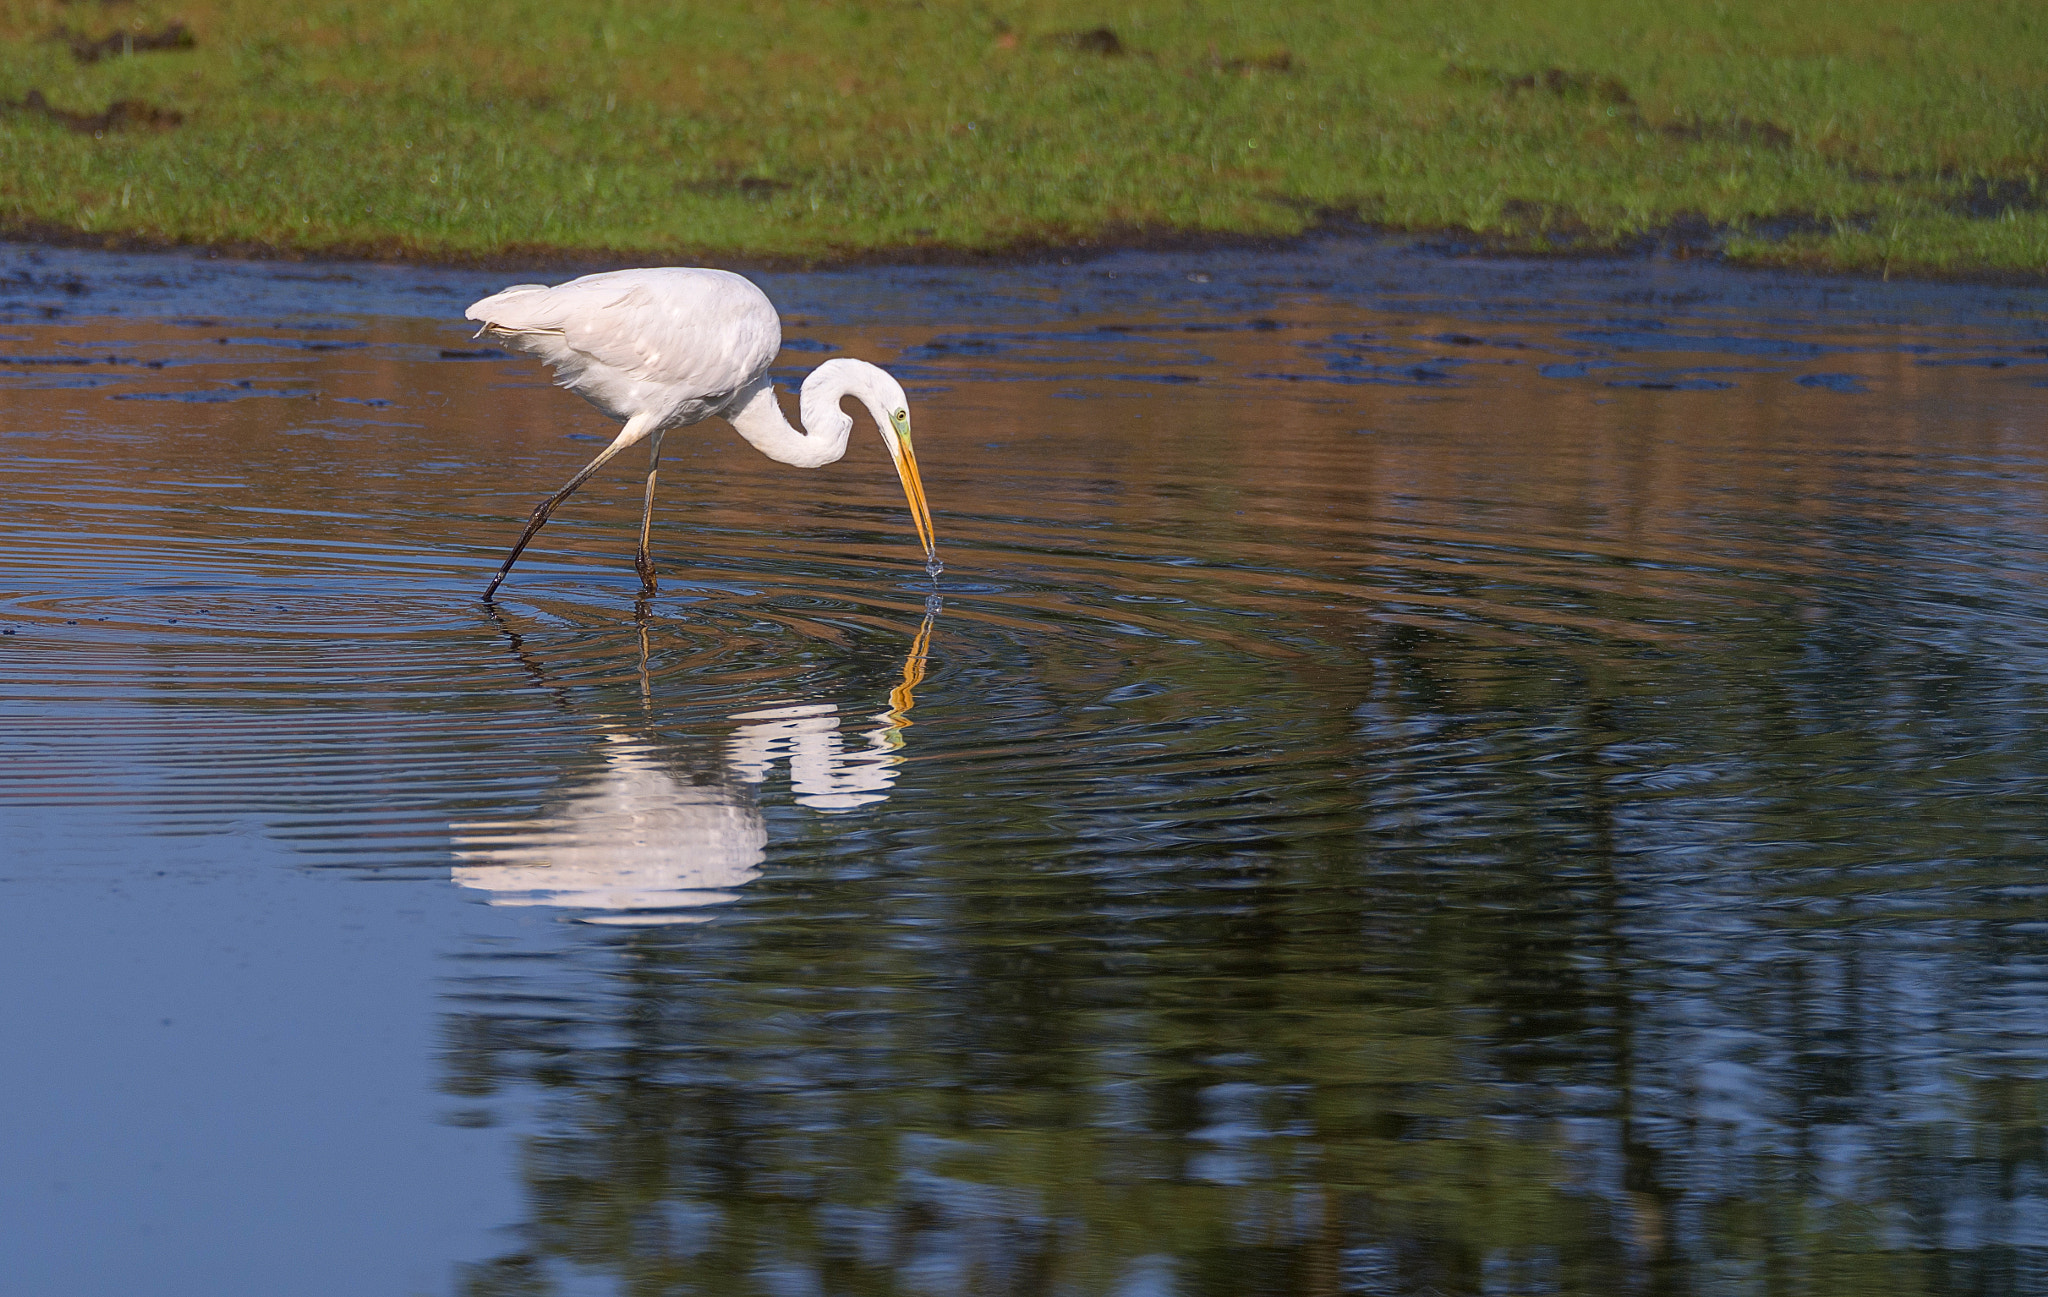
[[679, 342], [663, 348]]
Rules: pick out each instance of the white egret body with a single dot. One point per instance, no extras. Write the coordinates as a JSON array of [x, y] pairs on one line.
[[662, 348]]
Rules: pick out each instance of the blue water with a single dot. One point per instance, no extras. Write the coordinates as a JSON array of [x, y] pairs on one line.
[[1421, 775]]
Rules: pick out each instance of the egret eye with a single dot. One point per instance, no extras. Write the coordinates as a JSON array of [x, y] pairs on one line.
[[902, 415]]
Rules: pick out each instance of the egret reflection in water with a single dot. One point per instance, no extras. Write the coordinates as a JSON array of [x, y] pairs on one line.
[[647, 840]]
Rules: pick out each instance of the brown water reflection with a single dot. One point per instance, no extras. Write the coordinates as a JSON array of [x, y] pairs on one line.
[[1407, 795]]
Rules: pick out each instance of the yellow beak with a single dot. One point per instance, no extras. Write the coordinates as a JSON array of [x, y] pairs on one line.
[[913, 488]]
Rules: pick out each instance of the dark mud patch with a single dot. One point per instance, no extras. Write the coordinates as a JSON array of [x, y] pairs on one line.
[[1569, 86], [1977, 197], [1786, 225], [90, 49], [1280, 62], [1730, 130], [1547, 219], [737, 186], [1985, 199], [1102, 41], [121, 115], [1532, 228], [1558, 83]]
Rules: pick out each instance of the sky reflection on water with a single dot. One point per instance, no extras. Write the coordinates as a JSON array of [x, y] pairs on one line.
[[1430, 776]]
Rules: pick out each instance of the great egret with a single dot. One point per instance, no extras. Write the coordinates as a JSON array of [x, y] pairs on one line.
[[659, 349]]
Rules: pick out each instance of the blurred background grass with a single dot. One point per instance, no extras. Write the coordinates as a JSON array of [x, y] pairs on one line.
[[1894, 137]]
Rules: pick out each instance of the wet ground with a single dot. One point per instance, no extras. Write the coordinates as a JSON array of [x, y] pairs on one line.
[[1420, 776]]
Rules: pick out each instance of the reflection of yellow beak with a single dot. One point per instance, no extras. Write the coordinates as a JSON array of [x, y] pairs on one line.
[[913, 488], [901, 700]]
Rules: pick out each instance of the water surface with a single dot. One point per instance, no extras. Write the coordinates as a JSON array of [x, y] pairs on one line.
[[1420, 776]]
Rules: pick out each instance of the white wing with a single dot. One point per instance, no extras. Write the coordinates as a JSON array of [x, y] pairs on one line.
[[696, 333]]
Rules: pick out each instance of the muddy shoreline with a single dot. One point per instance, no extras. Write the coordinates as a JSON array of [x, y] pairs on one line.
[[1684, 240]]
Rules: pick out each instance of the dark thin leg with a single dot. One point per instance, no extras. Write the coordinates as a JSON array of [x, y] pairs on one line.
[[635, 429], [643, 563]]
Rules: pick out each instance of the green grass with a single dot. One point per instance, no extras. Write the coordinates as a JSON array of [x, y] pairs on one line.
[[1873, 136]]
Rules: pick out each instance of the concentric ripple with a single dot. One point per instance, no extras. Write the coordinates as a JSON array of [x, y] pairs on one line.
[[1418, 775], [1200, 609]]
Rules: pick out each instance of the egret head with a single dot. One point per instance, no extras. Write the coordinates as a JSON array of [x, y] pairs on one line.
[[875, 388]]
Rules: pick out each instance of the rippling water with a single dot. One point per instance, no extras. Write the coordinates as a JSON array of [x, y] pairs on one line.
[[1420, 776]]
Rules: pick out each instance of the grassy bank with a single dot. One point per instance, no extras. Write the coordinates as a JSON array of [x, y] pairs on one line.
[[1900, 137]]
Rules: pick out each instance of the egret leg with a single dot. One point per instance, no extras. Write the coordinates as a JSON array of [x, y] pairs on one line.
[[636, 428], [643, 563]]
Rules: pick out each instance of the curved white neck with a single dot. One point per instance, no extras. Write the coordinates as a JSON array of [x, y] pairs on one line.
[[754, 412]]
